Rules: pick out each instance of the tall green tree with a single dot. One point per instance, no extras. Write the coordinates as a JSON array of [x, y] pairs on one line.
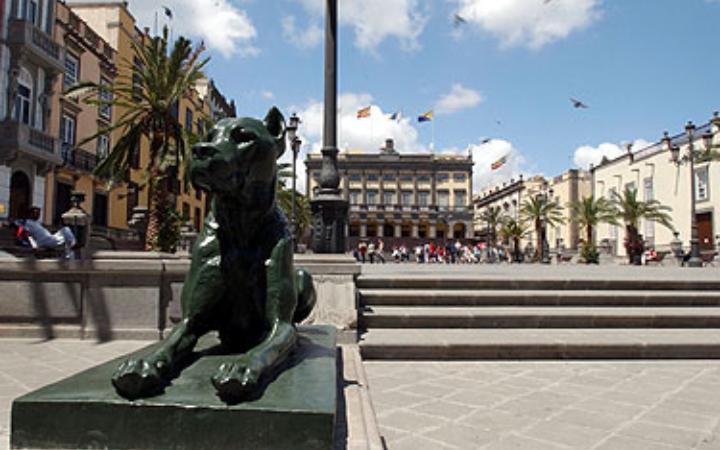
[[539, 209], [148, 94], [303, 214], [630, 210], [590, 212], [492, 216], [514, 231]]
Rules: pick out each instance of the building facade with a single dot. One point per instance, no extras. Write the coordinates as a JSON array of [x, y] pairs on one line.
[[87, 58], [564, 189], [114, 23], [402, 198], [653, 174], [30, 64]]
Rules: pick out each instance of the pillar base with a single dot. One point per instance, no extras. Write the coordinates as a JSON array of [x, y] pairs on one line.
[[330, 212]]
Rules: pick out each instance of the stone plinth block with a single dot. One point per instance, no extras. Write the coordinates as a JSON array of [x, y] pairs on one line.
[[295, 411]]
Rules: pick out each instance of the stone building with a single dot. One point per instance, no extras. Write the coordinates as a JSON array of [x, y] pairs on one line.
[[653, 174], [402, 198], [564, 189], [87, 58], [30, 64]]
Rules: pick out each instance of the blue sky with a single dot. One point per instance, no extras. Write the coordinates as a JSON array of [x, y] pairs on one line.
[[642, 66]]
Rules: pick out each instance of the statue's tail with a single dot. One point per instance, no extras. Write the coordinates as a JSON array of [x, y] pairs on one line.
[[306, 295]]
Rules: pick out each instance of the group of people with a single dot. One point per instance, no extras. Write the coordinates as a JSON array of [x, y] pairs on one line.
[[448, 252]]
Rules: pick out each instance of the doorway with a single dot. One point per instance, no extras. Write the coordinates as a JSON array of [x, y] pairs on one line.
[[705, 231], [20, 195]]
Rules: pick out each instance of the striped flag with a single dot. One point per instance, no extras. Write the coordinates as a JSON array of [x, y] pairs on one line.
[[499, 163], [427, 117], [363, 113]]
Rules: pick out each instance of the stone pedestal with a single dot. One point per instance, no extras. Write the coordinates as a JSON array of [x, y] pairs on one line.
[[296, 410]]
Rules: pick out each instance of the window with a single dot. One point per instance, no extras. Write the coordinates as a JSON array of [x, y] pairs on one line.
[[701, 184], [389, 197], [189, 119], [459, 177], [460, 199], [72, 70], [442, 177], [389, 177], [372, 177], [423, 197], [32, 12], [22, 104], [443, 199], [406, 177], [406, 198], [424, 178], [355, 177], [67, 130], [372, 197], [103, 147], [354, 197], [106, 96]]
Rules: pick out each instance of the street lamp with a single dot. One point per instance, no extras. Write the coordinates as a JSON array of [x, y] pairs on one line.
[[295, 144], [695, 260], [545, 196]]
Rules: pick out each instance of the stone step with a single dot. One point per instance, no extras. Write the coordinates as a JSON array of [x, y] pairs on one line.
[[514, 344], [493, 297], [678, 281], [543, 317]]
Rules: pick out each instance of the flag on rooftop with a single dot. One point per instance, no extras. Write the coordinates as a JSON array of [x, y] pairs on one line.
[[363, 113], [395, 116], [427, 117], [499, 163]]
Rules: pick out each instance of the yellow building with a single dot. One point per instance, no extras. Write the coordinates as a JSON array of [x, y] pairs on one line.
[[403, 198], [114, 23]]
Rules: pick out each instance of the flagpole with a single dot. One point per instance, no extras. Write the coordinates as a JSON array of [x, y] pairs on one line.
[[432, 134], [155, 31]]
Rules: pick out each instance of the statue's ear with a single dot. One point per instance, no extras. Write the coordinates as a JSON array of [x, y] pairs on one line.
[[275, 124]]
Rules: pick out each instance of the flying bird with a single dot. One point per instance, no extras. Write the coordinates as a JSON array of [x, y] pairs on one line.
[[485, 141], [577, 104], [459, 20]]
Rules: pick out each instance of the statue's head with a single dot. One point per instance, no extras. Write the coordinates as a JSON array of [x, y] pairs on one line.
[[239, 158]]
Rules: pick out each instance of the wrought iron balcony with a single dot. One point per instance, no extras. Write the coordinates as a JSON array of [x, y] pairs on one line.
[[78, 159], [27, 39], [17, 137]]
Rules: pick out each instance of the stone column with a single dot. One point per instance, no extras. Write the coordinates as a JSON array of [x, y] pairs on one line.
[[363, 230], [433, 231], [415, 230], [363, 191], [416, 201], [398, 230]]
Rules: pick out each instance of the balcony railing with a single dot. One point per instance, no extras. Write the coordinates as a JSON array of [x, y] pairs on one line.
[[19, 137], [78, 159], [34, 42]]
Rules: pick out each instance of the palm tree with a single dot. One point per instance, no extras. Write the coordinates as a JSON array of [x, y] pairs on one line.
[[514, 231], [589, 212], [148, 94], [492, 216], [630, 211], [541, 210], [303, 215]]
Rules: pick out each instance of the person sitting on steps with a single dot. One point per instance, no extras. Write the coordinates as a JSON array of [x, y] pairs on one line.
[[39, 237]]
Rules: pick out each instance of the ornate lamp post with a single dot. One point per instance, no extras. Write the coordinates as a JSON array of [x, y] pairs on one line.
[[329, 208], [695, 260], [295, 144]]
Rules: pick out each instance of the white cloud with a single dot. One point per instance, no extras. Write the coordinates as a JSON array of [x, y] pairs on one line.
[[307, 38], [267, 95], [221, 25], [484, 155], [531, 23], [374, 21], [365, 135], [587, 155], [457, 99]]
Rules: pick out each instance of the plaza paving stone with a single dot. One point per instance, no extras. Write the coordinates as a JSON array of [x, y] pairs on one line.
[[604, 405]]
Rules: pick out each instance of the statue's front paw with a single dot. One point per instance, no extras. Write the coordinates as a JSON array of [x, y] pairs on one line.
[[236, 380], [137, 378]]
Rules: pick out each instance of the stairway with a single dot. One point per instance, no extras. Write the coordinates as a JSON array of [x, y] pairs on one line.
[[662, 314]]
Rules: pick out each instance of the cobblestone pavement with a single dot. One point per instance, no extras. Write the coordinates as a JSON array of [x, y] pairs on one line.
[[547, 405], [26, 365]]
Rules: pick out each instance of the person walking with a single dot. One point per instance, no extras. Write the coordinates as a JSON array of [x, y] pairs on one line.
[[380, 249], [371, 252]]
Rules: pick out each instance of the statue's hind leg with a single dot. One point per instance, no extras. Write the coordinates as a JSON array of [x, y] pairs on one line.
[[203, 290]]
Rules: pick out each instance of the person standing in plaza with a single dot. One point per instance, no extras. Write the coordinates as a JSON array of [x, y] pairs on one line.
[[379, 250], [371, 252]]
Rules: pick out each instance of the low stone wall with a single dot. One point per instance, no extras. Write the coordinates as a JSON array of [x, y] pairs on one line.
[[135, 295]]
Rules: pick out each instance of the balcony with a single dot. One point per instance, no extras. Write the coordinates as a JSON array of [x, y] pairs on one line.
[[18, 139], [80, 160], [27, 39]]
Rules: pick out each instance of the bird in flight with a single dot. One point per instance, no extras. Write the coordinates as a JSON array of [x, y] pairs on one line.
[[459, 20], [485, 141], [577, 104]]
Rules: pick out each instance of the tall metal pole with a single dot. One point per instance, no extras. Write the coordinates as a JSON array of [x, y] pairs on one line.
[[293, 223], [695, 260], [329, 208]]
